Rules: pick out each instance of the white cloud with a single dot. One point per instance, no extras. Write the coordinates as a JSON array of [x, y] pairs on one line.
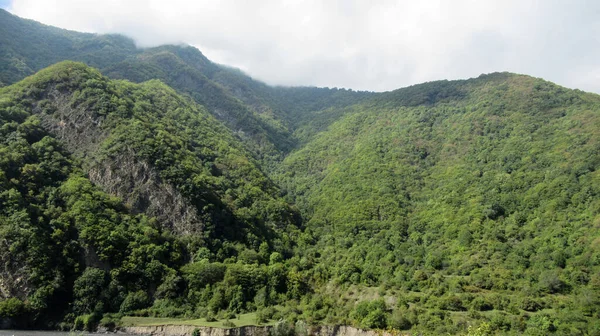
[[378, 45]]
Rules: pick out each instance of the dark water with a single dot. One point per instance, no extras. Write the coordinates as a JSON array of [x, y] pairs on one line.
[[52, 333]]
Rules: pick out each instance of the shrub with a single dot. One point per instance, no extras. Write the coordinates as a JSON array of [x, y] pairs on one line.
[[453, 303], [12, 307], [540, 325], [228, 324], [499, 321], [282, 328], [88, 290], [264, 315], [376, 319], [301, 328], [134, 301], [110, 321], [210, 317], [483, 329], [530, 305], [481, 304], [86, 322], [399, 320], [550, 282]]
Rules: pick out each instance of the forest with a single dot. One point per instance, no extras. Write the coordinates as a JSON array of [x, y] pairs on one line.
[[156, 183]]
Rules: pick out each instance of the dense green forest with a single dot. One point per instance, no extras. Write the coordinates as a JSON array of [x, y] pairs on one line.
[[154, 182], [261, 116]]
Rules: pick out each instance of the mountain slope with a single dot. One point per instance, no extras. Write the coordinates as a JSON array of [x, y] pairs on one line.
[[28, 46], [430, 208], [261, 116], [164, 168], [186, 69], [168, 137], [446, 188]]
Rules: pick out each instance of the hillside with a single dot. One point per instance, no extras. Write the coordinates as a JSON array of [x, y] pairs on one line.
[[476, 195], [93, 161], [261, 116], [164, 185]]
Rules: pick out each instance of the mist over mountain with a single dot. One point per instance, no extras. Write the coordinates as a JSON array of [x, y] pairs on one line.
[[156, 183], [370, 46]]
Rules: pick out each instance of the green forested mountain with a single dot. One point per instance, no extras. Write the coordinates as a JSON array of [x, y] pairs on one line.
[[175, 170], [196, 191], [478, 195], [261, 116], [28, 46]]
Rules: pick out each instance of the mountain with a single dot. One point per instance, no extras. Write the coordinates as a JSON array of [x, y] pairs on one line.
[[166, 185], [468, 195], [28, 46], [259, 115], [88, 161]]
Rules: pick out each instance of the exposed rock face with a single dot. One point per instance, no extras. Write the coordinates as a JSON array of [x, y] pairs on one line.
[[173, 330], [122, 175], [77, 128], [143, 191], [13, 275]]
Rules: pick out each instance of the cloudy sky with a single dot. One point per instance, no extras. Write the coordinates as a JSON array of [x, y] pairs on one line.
[[365, 45]]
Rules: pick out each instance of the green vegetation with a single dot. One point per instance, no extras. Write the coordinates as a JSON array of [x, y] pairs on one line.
[[260, 116], [65, 238], [240, 320], [469, 200], [200, 196]]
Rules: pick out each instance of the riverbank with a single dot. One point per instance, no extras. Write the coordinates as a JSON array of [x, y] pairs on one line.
[[240, 320], [182, 330]]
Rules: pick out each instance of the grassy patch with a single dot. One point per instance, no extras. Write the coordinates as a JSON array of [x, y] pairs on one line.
[[241, 321]]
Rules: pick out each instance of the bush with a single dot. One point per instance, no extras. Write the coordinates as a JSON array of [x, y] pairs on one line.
[[499, 321], [86, 322], [228, 324], [110, 321], [134, 301], [483, 329], [550, 282], [530, 305], [376, 319], [11, 308], [374, 310], [169, 308], [264, 315], [282, 328], [88, 291], [210, 317], [399, 320], [540, 325], [453, 303], [481, 304], [301, 328]]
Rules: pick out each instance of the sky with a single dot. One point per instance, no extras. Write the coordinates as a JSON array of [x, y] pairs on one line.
[[363, 45]]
